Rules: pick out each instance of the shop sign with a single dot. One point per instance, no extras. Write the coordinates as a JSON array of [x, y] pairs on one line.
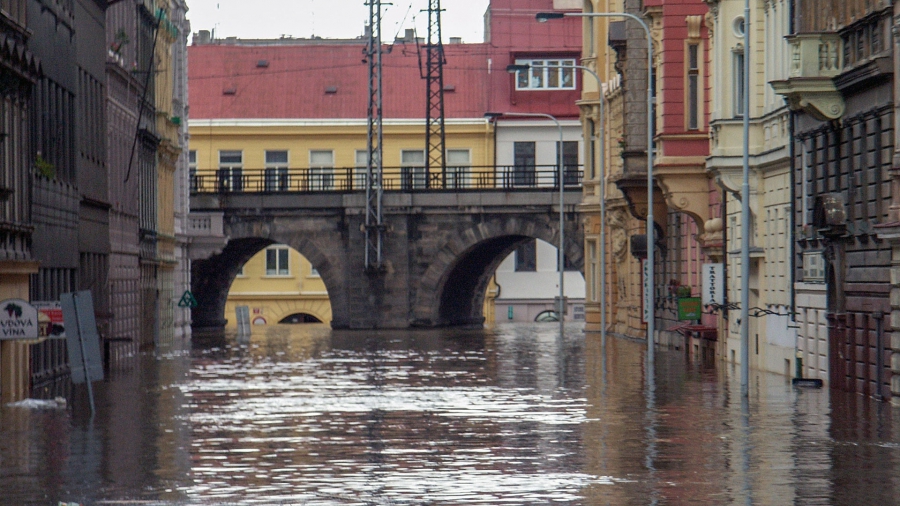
[[18, 320], [713, 286], [689, 308]]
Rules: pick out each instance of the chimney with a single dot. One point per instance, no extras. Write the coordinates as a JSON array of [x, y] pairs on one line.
[[202, 37]]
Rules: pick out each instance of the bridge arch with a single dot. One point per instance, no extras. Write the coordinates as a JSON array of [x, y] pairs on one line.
[[211, 278], [451, 291]]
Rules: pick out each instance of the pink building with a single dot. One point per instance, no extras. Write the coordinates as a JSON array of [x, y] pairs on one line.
[[682, 146]]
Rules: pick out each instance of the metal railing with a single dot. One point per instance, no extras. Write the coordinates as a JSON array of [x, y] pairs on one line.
[[399, 179]]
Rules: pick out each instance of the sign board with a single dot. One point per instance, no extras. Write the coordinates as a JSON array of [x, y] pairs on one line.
[[689, 308], [82, 339], [50, 314], [646, 291], [18, 320], [713, 284]]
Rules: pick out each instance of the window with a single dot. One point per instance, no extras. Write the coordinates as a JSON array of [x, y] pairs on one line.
[[412, 169], [813, 267], [360, 169], [321, 169], [230, 171], [277, 171], [526, 256], [592, 150], [738, 83], [693, 86], [594, 271], [570, 162], [555, 74], [523, 164], [192, 169], [459, 162], [277, 263], [313, 272]]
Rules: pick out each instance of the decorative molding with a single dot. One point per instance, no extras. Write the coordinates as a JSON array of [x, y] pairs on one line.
[[815, 96], [693, 26]]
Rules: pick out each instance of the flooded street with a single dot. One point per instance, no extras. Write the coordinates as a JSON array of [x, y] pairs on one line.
[[509, 415]]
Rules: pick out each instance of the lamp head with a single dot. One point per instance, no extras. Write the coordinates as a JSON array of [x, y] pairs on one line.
[[491, 116], [543, 17], [512, 69]]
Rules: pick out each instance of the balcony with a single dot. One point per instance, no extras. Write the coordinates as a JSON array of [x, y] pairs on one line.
[[816, 59], [205, 234]]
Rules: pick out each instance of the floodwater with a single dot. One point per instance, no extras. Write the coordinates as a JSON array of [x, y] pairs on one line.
[[299, 414]]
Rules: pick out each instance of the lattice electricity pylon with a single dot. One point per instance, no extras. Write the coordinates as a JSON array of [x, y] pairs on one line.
[[374, 226], [434, 77]]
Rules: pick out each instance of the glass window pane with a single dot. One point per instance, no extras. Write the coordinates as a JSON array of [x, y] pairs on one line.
[[230, 157], [283, 261], [522, 79], [537, 78], [192, 157], [271, 261], [321, 158], [277, 157], [412, 157], [568, 78], [362, 158], [458, 156]]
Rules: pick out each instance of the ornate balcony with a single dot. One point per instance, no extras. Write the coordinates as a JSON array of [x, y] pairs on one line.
[[816, 58]]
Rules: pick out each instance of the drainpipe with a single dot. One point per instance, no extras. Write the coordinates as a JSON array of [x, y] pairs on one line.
[[879, 358]]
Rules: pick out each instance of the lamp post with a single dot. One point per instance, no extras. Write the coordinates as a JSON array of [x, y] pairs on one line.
[[601, 171], [561, 175], [745, 216], [546, 16]]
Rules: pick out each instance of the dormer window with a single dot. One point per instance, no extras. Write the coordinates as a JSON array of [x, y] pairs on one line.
[[546, 74]]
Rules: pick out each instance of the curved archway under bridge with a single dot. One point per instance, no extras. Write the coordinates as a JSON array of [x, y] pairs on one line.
[[440, 250]]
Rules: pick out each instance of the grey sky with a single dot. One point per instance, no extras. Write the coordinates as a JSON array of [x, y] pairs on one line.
[[332, 18]]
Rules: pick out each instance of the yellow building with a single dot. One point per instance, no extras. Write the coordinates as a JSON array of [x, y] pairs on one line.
[[168, 125]]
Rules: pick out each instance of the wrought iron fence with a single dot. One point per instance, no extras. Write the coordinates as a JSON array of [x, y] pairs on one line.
[[405, 179]]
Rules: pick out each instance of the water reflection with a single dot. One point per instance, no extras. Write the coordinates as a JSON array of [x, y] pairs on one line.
[[512, 415]]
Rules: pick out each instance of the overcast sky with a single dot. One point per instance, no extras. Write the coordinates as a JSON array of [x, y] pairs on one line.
[[332, 18]]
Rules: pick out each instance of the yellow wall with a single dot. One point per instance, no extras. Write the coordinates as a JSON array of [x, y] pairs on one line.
[[344, 138], [15, 373], [274, 297]]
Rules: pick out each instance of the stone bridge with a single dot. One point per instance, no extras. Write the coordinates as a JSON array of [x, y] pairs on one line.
[[440, 249]]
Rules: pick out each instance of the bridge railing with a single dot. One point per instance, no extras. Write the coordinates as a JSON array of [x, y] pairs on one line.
[[402, 179]]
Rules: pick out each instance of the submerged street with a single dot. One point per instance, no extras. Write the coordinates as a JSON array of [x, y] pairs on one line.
[[301, 414]]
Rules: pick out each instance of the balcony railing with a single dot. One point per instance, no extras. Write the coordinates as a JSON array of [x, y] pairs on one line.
[[816, 58], [815, 54], [395, 179]]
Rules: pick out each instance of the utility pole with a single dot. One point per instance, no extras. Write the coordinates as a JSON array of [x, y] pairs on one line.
[[435, 154], [374, 226]]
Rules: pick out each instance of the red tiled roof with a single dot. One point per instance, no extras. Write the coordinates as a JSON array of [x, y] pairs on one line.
[[290, 81]]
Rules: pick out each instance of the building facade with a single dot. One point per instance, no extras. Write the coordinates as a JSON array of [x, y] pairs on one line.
[[841, 85], [772, 328], [20, 73]]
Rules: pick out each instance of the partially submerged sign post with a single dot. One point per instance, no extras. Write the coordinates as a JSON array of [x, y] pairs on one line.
[[85, 360]]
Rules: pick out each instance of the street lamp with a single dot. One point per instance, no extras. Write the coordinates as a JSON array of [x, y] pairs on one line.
[[543, 17], [601, 170], [561, 260]]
